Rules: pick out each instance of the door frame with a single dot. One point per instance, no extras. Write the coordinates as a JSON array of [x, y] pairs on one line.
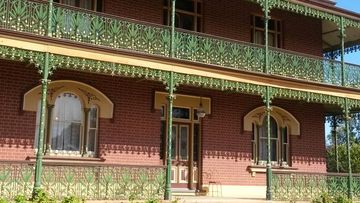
[[190, 122]]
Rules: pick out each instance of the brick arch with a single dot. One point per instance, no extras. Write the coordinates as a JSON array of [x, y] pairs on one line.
[[282, 117], [89, 96]]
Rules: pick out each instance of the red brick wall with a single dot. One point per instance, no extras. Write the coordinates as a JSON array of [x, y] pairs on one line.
[[227, 149], [232, 19], [149, 11], [133, 135]]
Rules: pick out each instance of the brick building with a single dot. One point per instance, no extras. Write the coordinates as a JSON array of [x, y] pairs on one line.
[[240, 95]]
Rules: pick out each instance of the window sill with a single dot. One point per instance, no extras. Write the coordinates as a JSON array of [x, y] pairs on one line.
[[67, 159], [262, 169]]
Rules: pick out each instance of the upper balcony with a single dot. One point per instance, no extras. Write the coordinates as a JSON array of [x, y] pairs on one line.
[[108, 31]]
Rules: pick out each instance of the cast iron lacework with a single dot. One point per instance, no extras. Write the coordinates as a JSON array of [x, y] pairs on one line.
[[89, 65], [297, 186], [104, 30], [90, 182]]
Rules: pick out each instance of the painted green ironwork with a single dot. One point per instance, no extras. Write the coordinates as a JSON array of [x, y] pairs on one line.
[[97, 182], [308, 11], [94, 66], [39, 154], [307, 186], [170, 86], [24, 16], [43, 107], [347, 119], [108, 31]]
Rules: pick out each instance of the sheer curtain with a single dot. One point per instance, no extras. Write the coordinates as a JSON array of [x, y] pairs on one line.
[[263, 140], [66, 123]]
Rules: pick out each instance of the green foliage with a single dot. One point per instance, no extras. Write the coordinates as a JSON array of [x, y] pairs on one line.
[[343, 158], [152, 201], [42, 197], [3, 200], [20, 199], [326, 198], [72, 199]]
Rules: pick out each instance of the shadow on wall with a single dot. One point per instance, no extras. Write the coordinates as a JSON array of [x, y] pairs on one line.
[[229, 155], [108, 149], [16, 143], [308, 160]]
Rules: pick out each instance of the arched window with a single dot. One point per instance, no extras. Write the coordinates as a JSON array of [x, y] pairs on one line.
[[72, 117], [282, 125], [262, 137], [66, 127], [67, 123]]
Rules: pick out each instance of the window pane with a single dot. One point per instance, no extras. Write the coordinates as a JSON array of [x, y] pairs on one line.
[[186, 5], [284, 153], [165, 2], [37, 124], [186, 21], [86, 4], [272, 40], [285, 136], [66, 123], [271, 24], [182, 113], [173, 142], [184, 142], [99, 5], [274, 130], [259, 37], [199, 8], [263, 150], [91, 141], [69, 2], [273, 150], [165, 17], [259, 22], [93, 117]]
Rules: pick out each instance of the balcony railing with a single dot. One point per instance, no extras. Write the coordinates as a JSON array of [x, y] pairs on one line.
[[95, 181], [119, 33], [309, 186]]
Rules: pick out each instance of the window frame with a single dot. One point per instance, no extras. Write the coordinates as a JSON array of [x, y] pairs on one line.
[[196, 14], [95, 4], [278, 32], [279, 145], [84, 131]]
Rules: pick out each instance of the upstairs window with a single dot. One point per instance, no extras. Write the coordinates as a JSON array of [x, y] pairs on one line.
[[187, 14], [95, 5], [258, 31]]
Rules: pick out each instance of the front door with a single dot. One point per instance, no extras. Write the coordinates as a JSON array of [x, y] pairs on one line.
[[180, 155]]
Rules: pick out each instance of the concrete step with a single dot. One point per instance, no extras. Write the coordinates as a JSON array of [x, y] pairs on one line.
[[178, 192]]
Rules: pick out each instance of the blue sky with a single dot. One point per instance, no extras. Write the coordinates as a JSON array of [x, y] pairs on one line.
[[353, 5]]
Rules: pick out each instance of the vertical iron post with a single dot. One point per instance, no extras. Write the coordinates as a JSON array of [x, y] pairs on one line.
[[44, 84], [169, 136], [348, 148], [334, 135], [39, 154], [342, 38], [266, 28], [170, 87], [267, 101], [268, 135]]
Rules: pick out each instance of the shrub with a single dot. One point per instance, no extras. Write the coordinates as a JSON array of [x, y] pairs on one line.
[[326, 198], [42, 197], [20, 199], [72, 199], [3, 200]]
